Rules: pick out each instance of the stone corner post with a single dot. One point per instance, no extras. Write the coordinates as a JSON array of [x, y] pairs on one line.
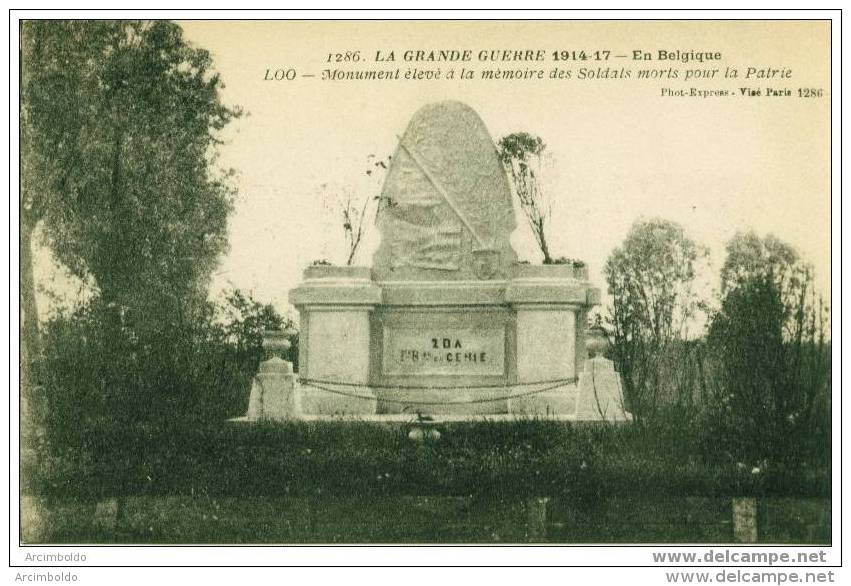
[[273, 391]]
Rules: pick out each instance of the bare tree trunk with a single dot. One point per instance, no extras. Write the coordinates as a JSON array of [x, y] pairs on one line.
[[30, 337], [32, 407], [543, 242]]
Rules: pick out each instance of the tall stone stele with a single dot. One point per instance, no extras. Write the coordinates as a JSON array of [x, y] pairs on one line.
[[446, 322]]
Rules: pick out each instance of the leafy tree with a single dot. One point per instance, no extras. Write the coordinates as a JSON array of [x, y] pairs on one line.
[[750, 257], [650, 278], [520, 153], [245, 319], [119, 126], [770, 338]]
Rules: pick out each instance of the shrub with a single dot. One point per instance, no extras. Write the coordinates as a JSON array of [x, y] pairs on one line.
[[773, 393], [650, 279], [101, 366]]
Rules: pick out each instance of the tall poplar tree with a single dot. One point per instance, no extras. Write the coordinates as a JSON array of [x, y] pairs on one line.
[[120, 122]]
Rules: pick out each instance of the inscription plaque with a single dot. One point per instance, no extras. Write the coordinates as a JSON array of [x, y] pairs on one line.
[[476, 351]]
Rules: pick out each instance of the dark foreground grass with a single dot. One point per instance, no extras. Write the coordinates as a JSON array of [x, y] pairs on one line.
[[489, 459]]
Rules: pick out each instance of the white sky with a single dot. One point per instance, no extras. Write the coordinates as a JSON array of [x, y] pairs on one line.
[[618, 150]]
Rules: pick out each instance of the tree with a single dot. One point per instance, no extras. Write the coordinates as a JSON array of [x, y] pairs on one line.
[[520, 153], [650, 278], [119, 125], [770, 338], [354, 206], [355, 216], [245, 320], [750, 257]]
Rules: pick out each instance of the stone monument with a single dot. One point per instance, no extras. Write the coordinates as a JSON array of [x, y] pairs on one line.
[[446, 322]]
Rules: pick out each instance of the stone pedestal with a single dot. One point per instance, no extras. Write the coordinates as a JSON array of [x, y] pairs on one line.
[[475, 347], [442, 348], [550, 303], [600, 392], [334, 305], [273, 393]]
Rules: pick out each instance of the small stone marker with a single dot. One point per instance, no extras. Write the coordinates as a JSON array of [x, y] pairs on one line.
[[600, 394], [106, 515], [536, 519], [273, 394], [33, 519], [745, 520]]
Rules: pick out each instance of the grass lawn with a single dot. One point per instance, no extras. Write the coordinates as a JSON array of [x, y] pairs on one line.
[[503, 460]]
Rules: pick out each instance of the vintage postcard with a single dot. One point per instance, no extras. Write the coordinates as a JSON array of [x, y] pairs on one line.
[[427, 282]]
